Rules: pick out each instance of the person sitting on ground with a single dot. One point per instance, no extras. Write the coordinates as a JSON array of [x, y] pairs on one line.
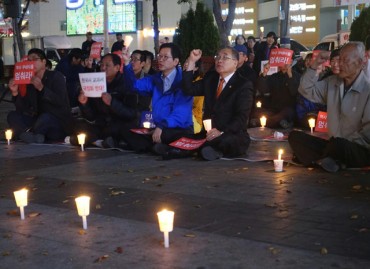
[[137, 60], [228, 101], [263, 51], [148, 68], [282, 88], [119, 44], [171, 109], [104, 118], [347, 96], [70, 66], [305, 109], [43, 111], [243, 67]]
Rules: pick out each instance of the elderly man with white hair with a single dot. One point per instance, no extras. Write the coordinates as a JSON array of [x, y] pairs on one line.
[[347, 96]]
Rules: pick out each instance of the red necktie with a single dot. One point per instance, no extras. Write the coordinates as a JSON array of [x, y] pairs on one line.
[[220, 86]]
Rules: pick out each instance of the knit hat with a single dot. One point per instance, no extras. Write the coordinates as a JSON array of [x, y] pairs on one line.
[[241, 48]]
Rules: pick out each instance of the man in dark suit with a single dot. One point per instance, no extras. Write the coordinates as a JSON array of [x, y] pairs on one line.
[[228, 99]]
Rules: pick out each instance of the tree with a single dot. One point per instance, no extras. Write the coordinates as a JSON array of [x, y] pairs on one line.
[[17, 24], [197, 30], [224, 26], [360, 28]]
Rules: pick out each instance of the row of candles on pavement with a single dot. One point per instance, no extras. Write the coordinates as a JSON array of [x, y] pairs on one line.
[[263, 119], [207, 125], [165, 217]]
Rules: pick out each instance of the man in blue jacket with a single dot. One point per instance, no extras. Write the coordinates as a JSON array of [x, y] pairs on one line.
[[171, 108]]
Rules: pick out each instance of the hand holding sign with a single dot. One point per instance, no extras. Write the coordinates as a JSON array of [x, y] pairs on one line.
[[93, 84], [82, 98]]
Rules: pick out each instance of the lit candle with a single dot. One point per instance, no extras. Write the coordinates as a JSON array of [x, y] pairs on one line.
[[207, 124], [8, 135], [280, 153], [263, 120], [83, 208], [311, 123], [21, 200], [81, 140], [165, 219], [262, 29], [146, 124], [259, 104]]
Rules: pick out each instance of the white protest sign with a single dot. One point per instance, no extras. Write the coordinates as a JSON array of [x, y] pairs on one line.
[[127, 40], [272, 69], [93, 84]]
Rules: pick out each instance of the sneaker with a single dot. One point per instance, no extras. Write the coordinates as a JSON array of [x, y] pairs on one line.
[[286, 124], [29, 137], [210, 154], [329, 165], [160, 149]]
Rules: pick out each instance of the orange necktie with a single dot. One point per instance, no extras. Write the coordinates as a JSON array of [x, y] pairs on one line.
[[220, 86]]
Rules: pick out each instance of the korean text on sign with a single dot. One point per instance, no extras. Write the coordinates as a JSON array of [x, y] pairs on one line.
[[93, 84], [280, 57], [321, 122], [23, 72], [187, 143]]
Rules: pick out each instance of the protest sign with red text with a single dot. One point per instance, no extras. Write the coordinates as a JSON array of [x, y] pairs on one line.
[[187, 143], [95, 51], [93, 84], [280, 57], [23, 72], [321, 122]]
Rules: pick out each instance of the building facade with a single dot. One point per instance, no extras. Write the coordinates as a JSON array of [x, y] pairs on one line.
[[310, 20]]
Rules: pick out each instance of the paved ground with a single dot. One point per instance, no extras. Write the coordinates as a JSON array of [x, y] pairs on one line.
[[228, 214]]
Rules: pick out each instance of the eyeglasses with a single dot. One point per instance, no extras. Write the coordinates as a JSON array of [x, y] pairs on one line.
[[223, 58], [134, 59], [163, 57]]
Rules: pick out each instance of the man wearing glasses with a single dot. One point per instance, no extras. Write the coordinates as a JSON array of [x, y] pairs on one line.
[[43, 111], [171, 109], [228, 101]]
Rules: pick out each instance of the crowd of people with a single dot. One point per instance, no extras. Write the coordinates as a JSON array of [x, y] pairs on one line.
[[175, 97]]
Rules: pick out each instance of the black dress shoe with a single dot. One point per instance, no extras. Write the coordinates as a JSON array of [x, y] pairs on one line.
[[210, 154], [175, 153], [329, 164], [160, 149]]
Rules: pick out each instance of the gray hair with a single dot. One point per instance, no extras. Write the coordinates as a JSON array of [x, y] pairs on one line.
[[359, 48]]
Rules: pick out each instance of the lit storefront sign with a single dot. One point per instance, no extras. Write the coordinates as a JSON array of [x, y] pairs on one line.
[[245, 18], [304, 22]]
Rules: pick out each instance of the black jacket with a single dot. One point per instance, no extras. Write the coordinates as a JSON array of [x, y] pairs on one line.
[[123, 107], [52, 99], [230, 111]]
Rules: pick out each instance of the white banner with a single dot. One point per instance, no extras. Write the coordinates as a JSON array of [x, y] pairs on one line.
[[93, 84]]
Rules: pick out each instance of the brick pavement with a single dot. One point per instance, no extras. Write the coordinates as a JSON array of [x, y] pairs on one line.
[[223, 208]]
